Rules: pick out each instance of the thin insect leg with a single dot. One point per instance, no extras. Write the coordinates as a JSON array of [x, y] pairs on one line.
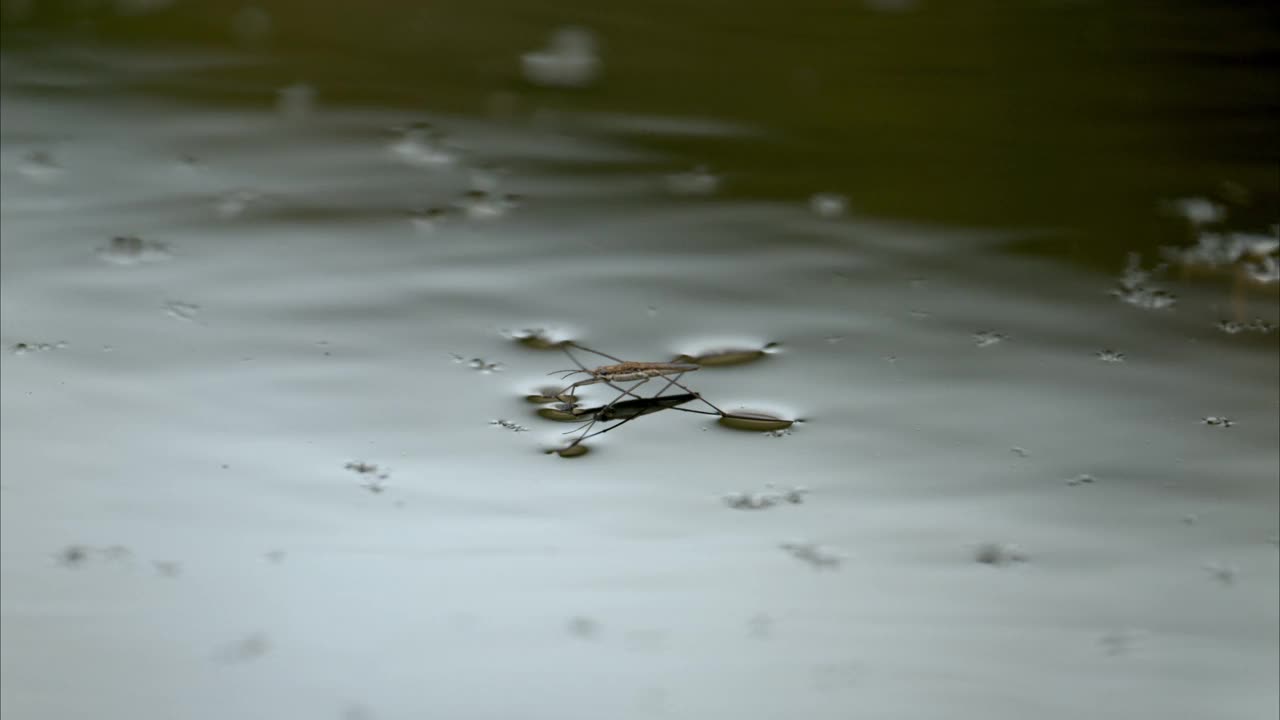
[[586, 434], [676, 381], [596, 352], [718, 411], [601, 432], [686, 388], [596, 417]]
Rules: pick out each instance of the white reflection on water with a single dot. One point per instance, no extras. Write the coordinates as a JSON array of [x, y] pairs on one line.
[[959, 579]]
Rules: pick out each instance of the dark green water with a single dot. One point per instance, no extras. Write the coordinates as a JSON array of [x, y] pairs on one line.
[[1079, 115]]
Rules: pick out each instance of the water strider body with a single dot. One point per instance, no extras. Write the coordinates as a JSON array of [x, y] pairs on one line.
[[626, 371]]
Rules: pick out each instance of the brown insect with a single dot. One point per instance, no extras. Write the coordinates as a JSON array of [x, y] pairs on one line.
[[627, 371]]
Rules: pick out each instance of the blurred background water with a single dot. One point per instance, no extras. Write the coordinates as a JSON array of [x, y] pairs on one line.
[[273, 276]]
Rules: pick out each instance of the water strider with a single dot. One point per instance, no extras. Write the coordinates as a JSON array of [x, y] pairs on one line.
[[626, 410]]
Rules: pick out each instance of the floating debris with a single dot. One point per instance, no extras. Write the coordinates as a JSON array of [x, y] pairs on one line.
[[514, 427], [1217, 421], [1082, 479], [133, 250], [1197, 210], [986, 338], [569, 60], [766, 499], [698, 181], [236, 203], [1109, 356], [1020, 452], [40, 166], [182, 310], [1133, 287], [377, 477], [73, 555], [1223, 573], [1257, 325], [829, 205], [421, 145], [998, 554], [486, 205], [537, 339], [1265, 271], [23, 348], [484, 367], [1217, 250], [817, 556], [363, 468], [429, 219], [480, 365]]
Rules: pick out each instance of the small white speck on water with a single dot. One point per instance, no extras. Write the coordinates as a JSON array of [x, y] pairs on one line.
[[829, 205], [133, 250], [697, 181], [181, 310], [987, 338], [570, 60]]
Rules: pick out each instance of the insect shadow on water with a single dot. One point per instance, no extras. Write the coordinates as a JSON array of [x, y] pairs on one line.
[[623, 410]]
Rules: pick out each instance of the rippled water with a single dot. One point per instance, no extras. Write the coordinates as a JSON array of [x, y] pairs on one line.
[[267, 451]]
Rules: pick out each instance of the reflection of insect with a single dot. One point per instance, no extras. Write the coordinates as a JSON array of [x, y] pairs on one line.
[[624, 371]]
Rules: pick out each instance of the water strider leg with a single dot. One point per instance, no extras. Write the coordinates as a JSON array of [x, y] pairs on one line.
[[596, 417], [597, 378], [709, 404], [585, 435]]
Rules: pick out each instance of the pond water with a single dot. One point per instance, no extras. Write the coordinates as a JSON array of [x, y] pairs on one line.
[[267, 450]]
